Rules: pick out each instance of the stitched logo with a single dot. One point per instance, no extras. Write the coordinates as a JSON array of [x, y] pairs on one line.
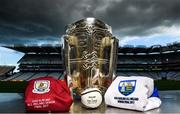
[[126, 87]]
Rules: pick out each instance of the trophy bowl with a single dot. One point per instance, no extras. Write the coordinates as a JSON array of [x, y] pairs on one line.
[[90, 55]]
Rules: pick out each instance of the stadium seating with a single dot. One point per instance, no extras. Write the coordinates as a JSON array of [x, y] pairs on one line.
[[158, 62], [13, 76], [41, 62], [26, 76], [6, 70], [38, 61]]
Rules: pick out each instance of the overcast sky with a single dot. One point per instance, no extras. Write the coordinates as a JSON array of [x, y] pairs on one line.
[[134, 22]]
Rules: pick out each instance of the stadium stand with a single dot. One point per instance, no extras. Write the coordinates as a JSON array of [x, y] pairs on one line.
[[13, 76], [38, 61], [6, 71], [158, 62]]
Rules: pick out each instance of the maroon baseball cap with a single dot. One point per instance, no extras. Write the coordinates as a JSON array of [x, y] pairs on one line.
[[47, 94]]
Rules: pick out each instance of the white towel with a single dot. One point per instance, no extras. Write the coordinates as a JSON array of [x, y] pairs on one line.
[[133, 92]]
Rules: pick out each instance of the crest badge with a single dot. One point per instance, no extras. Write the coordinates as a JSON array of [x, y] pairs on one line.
[[126, 87], [41, 86]]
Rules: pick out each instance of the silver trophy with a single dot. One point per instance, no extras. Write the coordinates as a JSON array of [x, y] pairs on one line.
[[90, 55]]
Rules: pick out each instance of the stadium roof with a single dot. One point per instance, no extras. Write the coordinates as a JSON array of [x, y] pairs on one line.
[[173, 47], [36, 49], [124, 49]]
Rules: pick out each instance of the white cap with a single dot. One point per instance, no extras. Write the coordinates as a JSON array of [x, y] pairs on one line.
[[133, 93]]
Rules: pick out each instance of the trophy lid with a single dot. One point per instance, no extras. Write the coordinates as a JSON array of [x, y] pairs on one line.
[[89, 22]]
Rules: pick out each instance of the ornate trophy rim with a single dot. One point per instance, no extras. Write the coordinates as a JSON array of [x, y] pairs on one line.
[[88, 22]]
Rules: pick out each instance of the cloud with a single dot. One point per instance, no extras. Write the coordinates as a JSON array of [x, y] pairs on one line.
[[31, 41], [155, 39], [173, 30], [25, 20], [158, 35]]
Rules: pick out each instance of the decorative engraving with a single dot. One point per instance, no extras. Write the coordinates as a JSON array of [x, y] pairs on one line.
[[89, 60]]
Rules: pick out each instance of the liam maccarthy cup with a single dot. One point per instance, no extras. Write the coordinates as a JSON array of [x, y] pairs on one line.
[[90, 55]]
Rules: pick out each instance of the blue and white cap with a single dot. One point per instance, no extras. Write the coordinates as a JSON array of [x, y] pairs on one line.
[[135, 92]]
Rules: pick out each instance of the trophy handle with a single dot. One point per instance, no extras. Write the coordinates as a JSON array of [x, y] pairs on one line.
[[106, 41], [111, 57], [73, 41], [114, 56], [67, 57]]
